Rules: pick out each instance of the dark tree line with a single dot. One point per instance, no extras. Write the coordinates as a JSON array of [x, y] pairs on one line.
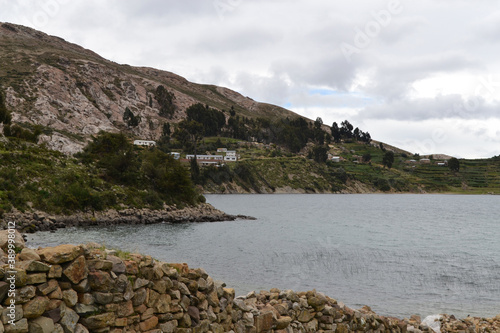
[[346, 131]]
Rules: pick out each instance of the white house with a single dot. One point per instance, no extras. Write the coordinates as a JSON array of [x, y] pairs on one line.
[[206, 157], [145, 143], [231, 156]]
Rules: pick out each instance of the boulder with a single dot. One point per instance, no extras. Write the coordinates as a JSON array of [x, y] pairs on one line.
[[20, 326], [69, 319], [18, 239], [28, 254], [70, 297], [60, 254], [36, 307], [99, 321], [41, 325], [77, 270], [100, 281]]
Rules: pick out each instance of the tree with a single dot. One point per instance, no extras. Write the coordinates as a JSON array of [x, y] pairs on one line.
[[166, 101], [114, 154], [5, 116], [346, 129], [130, 118], [211, 119], [388, 159], [454, 164], [320, 153], [189, 133], [195, 170], [335, 132]]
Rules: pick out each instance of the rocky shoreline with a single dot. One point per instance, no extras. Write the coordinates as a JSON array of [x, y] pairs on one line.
[[88, 288], [30, 222]]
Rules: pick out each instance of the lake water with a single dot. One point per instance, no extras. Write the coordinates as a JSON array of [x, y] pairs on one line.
[[399, 254]]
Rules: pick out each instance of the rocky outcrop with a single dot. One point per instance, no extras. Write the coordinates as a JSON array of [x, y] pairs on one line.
[[87, 288], [74, 93], [39, 221]]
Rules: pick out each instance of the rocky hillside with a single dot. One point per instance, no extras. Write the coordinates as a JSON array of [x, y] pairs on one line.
[[73, 93]]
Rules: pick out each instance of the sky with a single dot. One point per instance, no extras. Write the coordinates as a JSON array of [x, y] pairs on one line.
[[421, 75]]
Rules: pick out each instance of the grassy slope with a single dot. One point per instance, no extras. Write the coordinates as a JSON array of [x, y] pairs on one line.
[[257, 172], [34, 177]]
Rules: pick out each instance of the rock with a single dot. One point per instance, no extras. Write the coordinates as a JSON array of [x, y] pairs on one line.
[[264, 322], [4, 288], [99, 321], [125, 309], [18, 239], [41, 325], [84, 309], [283, 322], [81, 329], [36, 278], [69, 319], [77, 270], [33, 266], [20, 277], [28, 254], [100, 281], [15, 314], [20, 326], [148, 324], [118, 265], [48, 287], [139, 283], [36, 307], [70, 297], [100, 264], [305, 316], [103, 298], [60, 254]]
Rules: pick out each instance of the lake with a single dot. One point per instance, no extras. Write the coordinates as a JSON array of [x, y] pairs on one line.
[[401, 254]]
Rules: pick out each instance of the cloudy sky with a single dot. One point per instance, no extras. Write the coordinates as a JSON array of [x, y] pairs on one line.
[[422, 75]]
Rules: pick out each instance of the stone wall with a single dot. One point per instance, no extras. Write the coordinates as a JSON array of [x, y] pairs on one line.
[[87, 288]]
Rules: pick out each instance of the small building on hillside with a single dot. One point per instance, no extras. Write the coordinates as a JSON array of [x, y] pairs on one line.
[[206, 160], [144, 143], [231, 156]]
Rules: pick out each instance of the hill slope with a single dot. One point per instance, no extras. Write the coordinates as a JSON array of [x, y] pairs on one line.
[[73, 93]]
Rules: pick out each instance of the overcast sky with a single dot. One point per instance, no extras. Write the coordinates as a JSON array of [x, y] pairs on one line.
[[422, 75]]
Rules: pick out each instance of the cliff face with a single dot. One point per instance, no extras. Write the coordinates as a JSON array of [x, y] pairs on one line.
[[74, 93]]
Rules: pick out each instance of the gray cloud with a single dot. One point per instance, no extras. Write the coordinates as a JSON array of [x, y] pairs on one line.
[[281, 51]]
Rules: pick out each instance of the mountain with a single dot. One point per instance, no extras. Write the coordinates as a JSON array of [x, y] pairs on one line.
[[73, 93]]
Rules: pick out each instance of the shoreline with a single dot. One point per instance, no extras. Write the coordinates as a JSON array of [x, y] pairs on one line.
[[88, 287], [31, 222]]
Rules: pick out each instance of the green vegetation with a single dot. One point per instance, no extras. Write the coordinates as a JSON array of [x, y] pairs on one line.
[[110, 173], [166, 100]]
